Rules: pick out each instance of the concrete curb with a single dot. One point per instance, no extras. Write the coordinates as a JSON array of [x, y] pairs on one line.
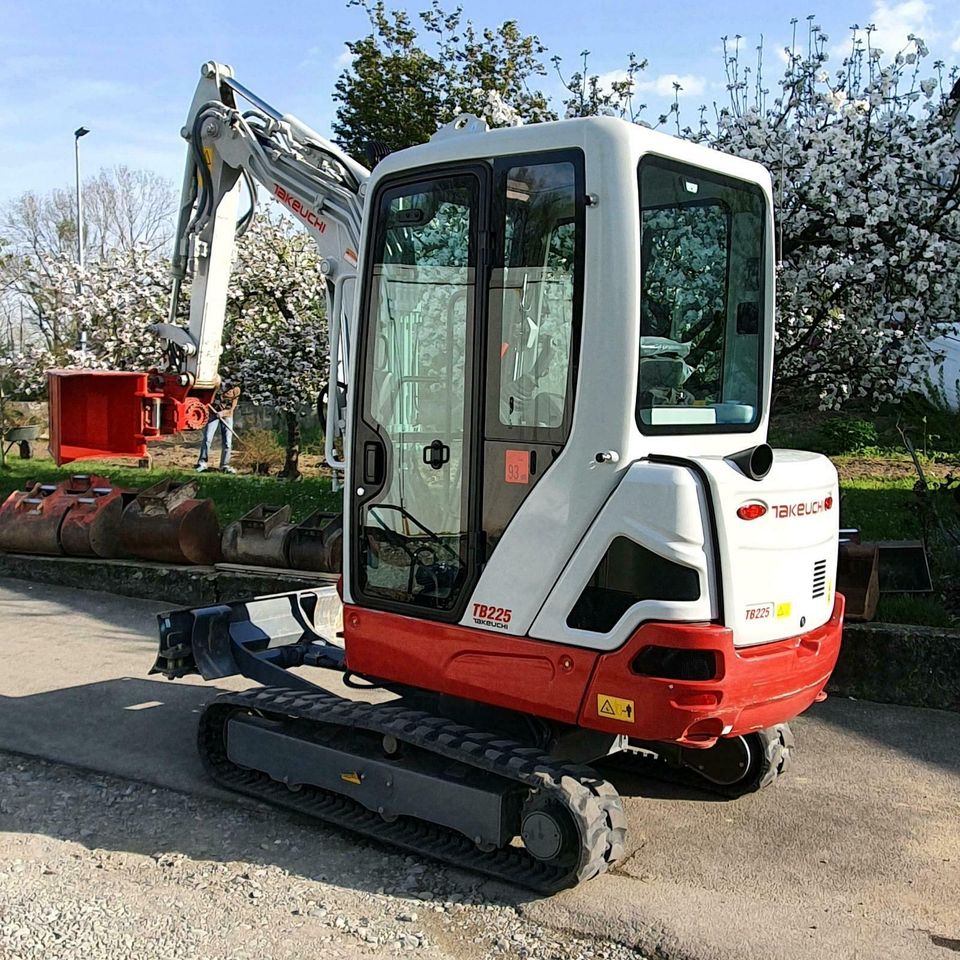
[[888, 663], [899, 663], [180, 586]]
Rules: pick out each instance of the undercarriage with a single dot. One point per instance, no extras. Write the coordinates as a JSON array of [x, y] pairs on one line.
[[501, 792]]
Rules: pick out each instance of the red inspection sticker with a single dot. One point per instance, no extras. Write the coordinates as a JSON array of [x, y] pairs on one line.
[[517, 466]]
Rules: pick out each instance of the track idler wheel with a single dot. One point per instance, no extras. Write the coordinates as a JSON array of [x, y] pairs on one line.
[[738, 765]]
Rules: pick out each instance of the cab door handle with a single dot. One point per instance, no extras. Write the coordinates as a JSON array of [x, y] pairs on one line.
[[436, 455], [374, 463]]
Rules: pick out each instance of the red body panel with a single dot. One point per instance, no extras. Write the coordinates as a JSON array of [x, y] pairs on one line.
[[756, 687], [546, 679], [96, 414]]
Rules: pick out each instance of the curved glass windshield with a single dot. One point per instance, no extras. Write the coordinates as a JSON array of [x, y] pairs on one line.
[[701, 301]]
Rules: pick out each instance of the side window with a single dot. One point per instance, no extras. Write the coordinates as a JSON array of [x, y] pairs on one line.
[[532, 302]]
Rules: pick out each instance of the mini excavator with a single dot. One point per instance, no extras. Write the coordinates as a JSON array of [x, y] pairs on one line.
[[567, 543]]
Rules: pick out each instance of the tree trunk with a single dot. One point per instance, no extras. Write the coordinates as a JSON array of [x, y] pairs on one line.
[[291, 466]]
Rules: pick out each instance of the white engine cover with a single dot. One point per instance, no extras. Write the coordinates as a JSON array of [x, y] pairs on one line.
[[779, 570], [661, 507]]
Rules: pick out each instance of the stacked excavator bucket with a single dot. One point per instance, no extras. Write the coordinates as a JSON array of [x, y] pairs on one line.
[[317, 543], [86, 516], [31, 520], [266, 537], [168, 524], [259, 537], [91, 527]]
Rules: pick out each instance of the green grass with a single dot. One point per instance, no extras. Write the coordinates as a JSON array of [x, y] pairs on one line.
[[889, 510], [882, 509], [926, 609], [233, 494]]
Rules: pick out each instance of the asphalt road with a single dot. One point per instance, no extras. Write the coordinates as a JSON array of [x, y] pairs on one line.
[[854, 854]]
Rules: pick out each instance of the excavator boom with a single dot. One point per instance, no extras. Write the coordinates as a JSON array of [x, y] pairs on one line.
[[234, 138]]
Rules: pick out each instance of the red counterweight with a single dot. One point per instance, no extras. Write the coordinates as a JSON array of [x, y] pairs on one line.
[[104, 414]]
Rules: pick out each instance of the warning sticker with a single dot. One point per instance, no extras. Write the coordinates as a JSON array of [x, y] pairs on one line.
[[783, 610], [614, 708], [517, 466]]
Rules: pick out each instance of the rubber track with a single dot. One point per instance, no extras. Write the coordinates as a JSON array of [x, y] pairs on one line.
[[592, 802], [774, 745]]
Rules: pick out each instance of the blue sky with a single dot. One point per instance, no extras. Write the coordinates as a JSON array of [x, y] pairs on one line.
[[127, 69]]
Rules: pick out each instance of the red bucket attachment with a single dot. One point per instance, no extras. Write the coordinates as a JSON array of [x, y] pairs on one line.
[[97, 414], [107, 413]]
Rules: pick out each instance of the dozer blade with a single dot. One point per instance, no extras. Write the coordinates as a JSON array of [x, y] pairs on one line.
[[256, 638], [97, 414]]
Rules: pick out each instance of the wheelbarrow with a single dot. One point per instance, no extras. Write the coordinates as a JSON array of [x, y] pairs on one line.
[[22, 438]]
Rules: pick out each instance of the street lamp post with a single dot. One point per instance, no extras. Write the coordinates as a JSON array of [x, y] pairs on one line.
[[77, 134]]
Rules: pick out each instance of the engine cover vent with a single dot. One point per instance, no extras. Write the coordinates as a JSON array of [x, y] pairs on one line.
[[819, 579]]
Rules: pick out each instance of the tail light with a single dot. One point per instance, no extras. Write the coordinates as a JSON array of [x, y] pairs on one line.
[[752, 510]]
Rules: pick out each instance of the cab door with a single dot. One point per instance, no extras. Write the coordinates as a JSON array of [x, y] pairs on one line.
[[415, 509]]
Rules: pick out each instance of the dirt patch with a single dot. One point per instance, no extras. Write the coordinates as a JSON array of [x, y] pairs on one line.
[[889, 469]]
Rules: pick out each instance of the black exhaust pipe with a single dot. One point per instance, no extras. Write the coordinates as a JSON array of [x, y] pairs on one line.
[[754, 462]]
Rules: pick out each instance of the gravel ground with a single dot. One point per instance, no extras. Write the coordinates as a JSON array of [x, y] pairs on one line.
[[98, 868]]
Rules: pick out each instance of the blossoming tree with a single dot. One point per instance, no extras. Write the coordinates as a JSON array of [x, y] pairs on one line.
[[275, 339], [866, 173], [275, 336]]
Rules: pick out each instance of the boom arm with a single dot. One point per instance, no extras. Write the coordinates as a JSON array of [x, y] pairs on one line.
[[316, 182], [111, 413]]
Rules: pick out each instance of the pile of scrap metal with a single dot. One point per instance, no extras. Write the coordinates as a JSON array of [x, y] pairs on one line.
[[867, 570], [88, 516]]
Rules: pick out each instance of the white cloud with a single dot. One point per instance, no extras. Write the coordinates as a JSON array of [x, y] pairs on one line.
[[894, 22], [663, 85], [955, 46], [608, 79], [317, 56]]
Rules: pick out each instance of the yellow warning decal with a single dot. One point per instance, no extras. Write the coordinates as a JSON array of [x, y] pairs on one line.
[[351, 777], [783, 610], [615, 708]]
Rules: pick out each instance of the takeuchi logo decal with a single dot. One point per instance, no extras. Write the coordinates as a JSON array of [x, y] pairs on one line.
[[808, 509], [304, 213]]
